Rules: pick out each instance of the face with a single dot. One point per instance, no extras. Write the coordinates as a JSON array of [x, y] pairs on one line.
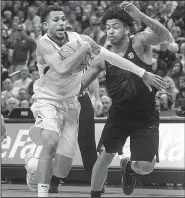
[[176, 32], [24, 104], [181, 84], [106, 102], [8, 84], [3, 33], [93, 20], [16, 19], [102, 91], [116, 31], [24, 73], [164, 46], [23, 94], [155, 55], [176, 68], [12, 103], [73, 16], [78, 10], [55, 25]]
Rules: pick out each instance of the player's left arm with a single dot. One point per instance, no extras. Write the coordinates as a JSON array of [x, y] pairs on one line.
[[157, 32]]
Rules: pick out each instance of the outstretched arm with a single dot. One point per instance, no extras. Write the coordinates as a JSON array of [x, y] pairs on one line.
[[113, 58], [157, 33], [97, 65]]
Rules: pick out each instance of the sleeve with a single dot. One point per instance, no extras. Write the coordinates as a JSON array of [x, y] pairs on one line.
[[120, 62]]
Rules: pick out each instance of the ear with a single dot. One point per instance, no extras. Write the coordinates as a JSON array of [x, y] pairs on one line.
[[45, 25], [127, 30]]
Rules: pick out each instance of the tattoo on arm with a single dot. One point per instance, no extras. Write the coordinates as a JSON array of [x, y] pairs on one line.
[[159, 30]]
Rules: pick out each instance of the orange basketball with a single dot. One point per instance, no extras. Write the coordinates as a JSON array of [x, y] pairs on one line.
[[70, 48]]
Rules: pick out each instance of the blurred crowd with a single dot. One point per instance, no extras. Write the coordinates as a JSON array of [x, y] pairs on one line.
[[21, 28]]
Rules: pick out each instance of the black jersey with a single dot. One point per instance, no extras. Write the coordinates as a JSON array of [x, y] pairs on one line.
[[128, 90]]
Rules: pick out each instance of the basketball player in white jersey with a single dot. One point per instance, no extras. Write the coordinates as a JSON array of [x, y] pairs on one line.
[[56, 108]]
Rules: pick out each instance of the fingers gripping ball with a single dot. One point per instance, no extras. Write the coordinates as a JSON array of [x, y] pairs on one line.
[[70, 48]]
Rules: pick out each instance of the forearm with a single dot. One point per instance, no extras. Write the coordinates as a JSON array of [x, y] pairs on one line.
[[75, 59], [160, 30], [120, 62], [94, 88]]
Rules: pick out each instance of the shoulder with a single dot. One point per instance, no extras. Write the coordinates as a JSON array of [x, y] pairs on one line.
[[44, 45]]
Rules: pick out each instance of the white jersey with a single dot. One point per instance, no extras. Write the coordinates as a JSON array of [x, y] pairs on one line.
[[54, 86]]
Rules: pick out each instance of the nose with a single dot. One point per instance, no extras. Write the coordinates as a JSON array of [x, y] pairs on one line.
[[111, 31]]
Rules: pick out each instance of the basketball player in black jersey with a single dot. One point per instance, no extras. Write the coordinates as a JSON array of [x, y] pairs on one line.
[[133, 113]]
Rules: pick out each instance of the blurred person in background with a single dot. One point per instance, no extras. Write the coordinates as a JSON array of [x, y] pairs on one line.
[[94, 29], [177, 35], [24, 51], [3, 129], [84, 22], [5, 39], [168, 95], [7, 18], [79, 13], [181, 56], [23, 95], [38, 33], [103, 91], [72, 21], [34, 74], [174, 48], [176, 71], [33, 20], [24, 81], [159, 67], [180, 98], [9, 91], [5, 56], [165, 55], [101, 78], [11, 103], [178, 16], [106, 102], [24, 104]]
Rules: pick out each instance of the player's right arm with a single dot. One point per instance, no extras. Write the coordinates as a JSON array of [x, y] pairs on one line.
[[97, 65], [46, 51]]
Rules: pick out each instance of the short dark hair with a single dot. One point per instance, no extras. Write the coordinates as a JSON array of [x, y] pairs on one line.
[[49, 9], [118, 13]]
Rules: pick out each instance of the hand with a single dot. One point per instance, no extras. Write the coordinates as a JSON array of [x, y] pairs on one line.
[[153, 80], [131, 9], [98, 105], [85, 45]]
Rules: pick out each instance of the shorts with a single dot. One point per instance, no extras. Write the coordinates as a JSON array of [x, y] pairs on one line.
[[62, 118], [144, 137]]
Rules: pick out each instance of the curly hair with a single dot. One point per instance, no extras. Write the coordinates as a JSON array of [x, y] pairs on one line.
[[118, 13], [49, 9]]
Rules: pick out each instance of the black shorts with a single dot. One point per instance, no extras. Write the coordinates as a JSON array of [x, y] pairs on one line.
[[144, 135]]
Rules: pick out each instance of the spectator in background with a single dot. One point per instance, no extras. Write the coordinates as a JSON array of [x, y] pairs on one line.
[[94, 29], [24, 104], [23, 95], [84, 22], [38, 33], [7, 18], [174, 48], [11, 104], [79, 13], [5, 38], [177, 35], [168, 96], [24, 51], [5, 56], [176, 71], [101, 78], [178, 16], [103, 91], [24, 81], [4, 74], [33, 20], [180, 98], [9, 91], [106, 102], [72, 21], [181, 56], [165, 55], [159, 67]]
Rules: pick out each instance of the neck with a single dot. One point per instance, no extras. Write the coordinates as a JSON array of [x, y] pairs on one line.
[[60, 41], [122, 45]]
